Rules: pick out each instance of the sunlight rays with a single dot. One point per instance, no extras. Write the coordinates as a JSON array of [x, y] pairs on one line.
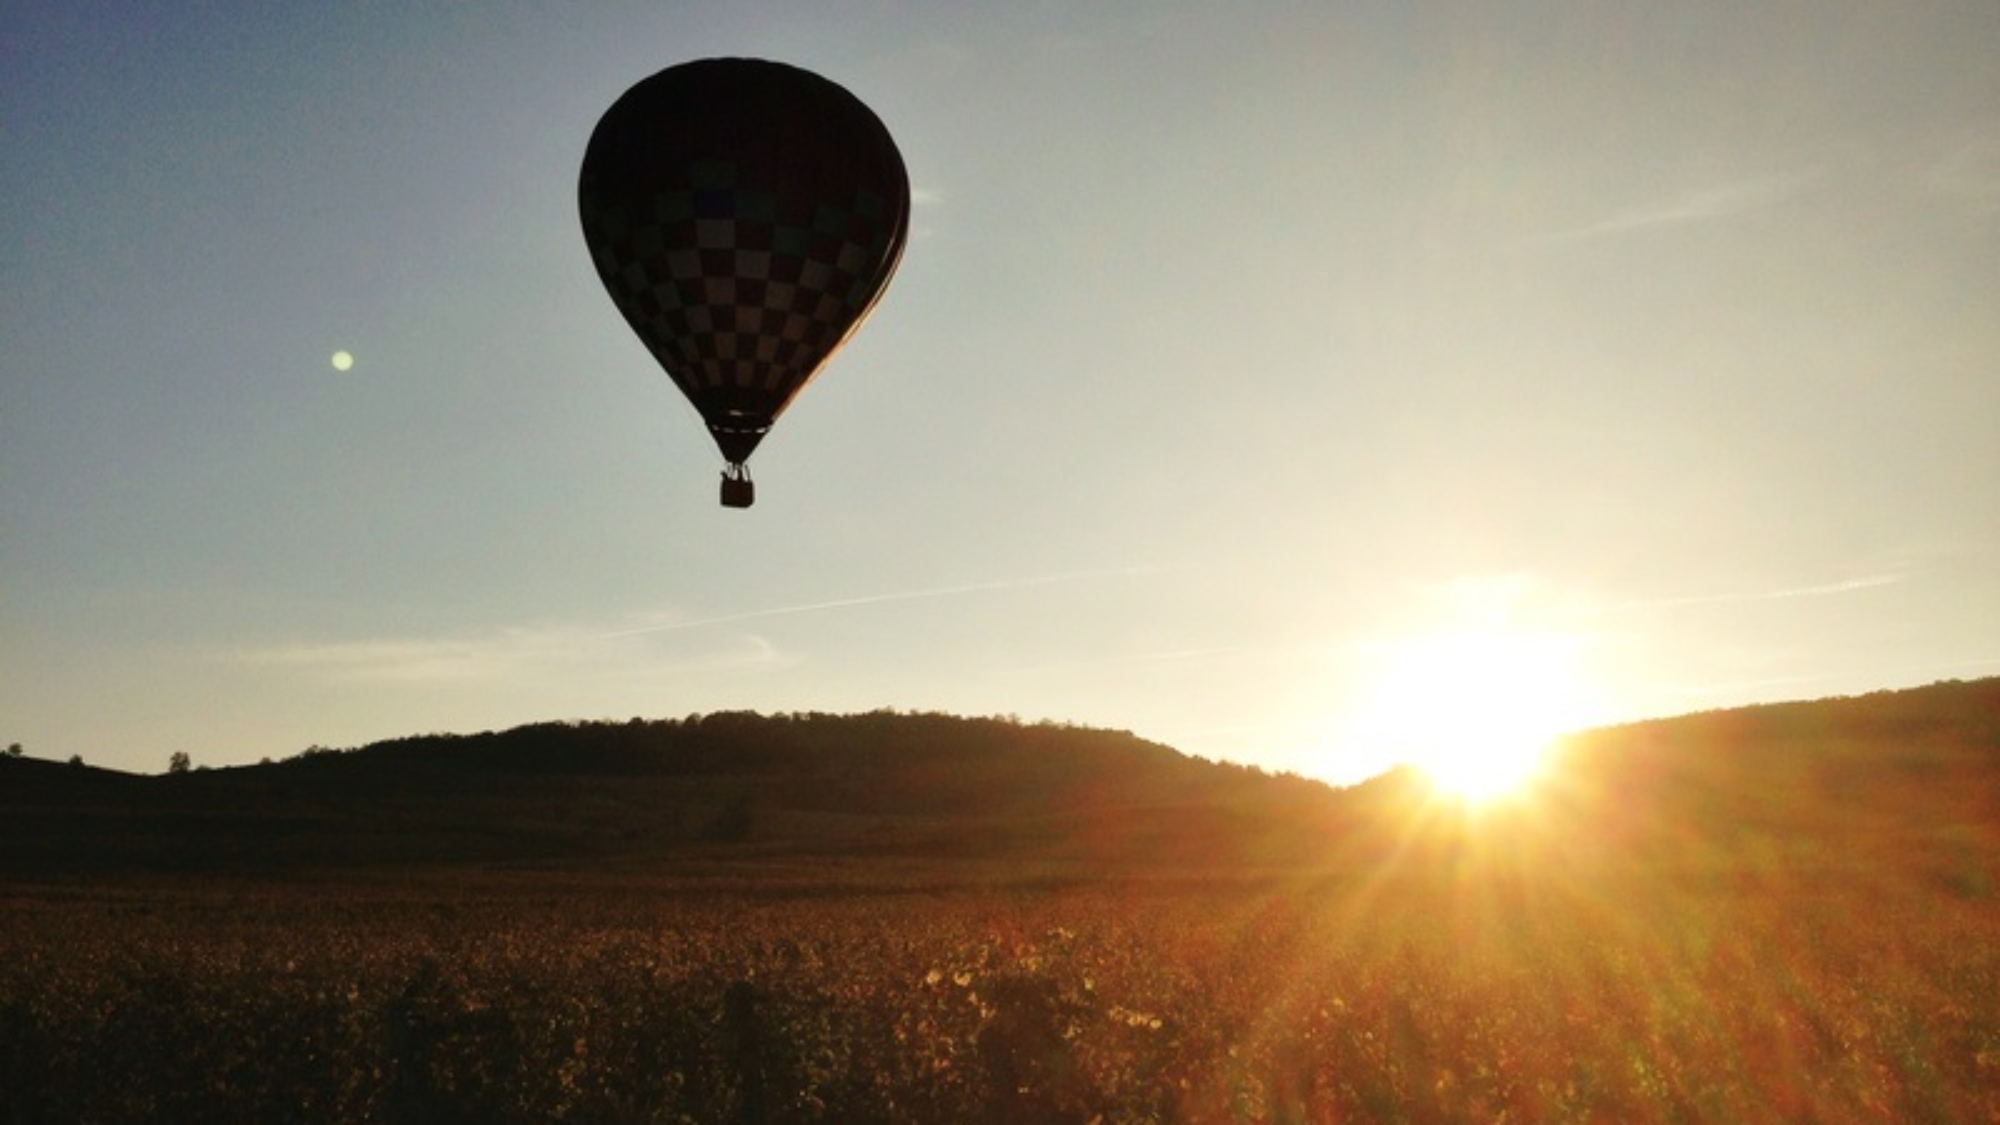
[[1475, 710]]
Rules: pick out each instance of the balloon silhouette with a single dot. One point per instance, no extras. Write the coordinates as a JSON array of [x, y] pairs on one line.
[[745, 217]]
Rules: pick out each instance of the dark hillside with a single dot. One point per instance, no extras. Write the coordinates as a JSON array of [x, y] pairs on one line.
[[884, 762], [881, 784], [1895, 780], [1836, 784], [1882, 758]]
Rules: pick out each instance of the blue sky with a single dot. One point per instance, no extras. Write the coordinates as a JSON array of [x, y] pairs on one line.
[[1259, 378]]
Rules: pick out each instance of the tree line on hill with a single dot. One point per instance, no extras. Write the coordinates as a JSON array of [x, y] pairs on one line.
[[1878, 770]]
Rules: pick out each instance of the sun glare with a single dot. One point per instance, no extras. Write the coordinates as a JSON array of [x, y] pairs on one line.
[[1475, 711]]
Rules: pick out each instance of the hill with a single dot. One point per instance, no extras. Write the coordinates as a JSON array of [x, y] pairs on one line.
[[1907, 779], [733, 785], [1834, 783]]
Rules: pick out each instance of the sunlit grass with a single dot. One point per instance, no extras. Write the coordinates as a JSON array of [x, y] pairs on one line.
[[1430, 997]]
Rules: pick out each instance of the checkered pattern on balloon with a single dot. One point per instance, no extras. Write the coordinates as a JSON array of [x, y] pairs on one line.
[[744, 217]]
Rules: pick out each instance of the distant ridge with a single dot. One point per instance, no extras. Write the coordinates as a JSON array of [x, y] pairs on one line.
[[1915, 769], [879, 784]]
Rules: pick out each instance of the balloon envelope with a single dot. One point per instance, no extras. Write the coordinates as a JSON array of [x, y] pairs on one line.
[[744, 216]]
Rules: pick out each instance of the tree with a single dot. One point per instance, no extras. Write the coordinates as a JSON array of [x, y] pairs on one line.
[[76, 759], [14, 750], [179, 762]]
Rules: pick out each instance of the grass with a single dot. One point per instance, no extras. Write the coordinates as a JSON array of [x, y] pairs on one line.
[[1426, 992]]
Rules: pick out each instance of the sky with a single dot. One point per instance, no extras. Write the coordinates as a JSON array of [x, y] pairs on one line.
[[1276, 381]]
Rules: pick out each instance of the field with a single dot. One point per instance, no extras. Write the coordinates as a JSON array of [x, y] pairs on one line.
[[1779, 914], [1446, 989]]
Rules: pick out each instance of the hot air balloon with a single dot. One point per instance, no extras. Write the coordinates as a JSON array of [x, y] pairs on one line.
[[745, 217]]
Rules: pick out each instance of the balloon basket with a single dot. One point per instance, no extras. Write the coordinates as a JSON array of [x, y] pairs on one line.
[[737, 490]]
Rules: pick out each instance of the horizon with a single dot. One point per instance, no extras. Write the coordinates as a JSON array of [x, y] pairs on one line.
[[194, 762], [1313, 389]]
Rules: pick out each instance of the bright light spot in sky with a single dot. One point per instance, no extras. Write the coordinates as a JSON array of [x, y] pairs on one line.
[[343, 360], [1475, 710]]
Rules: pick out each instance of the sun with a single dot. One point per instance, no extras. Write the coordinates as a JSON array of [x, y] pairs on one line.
[[1475, 711]]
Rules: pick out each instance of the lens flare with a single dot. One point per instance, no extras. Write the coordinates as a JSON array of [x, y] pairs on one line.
[[1475, 711]]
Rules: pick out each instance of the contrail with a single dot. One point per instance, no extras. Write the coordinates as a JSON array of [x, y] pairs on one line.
[[1930, 669], [1717, 202], [1843, 587], [879, 599], [1164, 656]]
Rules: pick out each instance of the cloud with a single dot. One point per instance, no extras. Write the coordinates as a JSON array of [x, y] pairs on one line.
[[1820, 590], [1707, 205], [1160, 656], [546, 653], [1875, 679], [515, 654], [920, 594]]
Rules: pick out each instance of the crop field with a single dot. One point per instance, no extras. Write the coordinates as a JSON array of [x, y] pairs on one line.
[[1467, 996]]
